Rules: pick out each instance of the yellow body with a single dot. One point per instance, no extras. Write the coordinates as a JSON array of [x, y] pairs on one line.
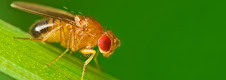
[[72, 31], [84, 35]]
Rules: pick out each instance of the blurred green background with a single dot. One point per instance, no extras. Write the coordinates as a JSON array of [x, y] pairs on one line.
[[161, 39]]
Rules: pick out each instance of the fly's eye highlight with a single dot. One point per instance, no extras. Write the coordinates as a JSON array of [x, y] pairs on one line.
[[104, 43]]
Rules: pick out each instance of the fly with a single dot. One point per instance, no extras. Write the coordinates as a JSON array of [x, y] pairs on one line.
[[75, 32]]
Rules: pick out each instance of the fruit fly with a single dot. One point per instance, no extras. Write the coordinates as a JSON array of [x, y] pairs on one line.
[[75, 32]]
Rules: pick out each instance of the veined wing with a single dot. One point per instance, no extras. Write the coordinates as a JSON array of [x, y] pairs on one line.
[[43, 10]]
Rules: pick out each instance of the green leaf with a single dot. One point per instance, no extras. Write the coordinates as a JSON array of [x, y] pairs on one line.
[[26, 60]]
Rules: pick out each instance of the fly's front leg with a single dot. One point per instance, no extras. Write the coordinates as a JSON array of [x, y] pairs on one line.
[[87, 51], [96, 61]]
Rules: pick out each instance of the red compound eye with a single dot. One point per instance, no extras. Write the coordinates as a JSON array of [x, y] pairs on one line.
[[104, 43]]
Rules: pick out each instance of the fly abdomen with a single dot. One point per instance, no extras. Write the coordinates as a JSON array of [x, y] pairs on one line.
[[40, 27]]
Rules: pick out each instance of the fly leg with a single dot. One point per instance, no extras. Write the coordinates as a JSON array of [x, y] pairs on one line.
[[36, 39], [96, 61], [58, 57], [68, 47], [87, 51], [33, 39], [62, 36]]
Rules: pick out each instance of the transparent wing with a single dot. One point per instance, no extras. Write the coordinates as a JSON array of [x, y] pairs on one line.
[[43, 10]]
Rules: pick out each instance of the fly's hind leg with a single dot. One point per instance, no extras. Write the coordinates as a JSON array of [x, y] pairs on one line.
[[33, 39], [87, 51], [44, 39]]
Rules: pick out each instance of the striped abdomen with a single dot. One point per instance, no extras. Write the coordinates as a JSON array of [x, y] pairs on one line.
[[84, 34]]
